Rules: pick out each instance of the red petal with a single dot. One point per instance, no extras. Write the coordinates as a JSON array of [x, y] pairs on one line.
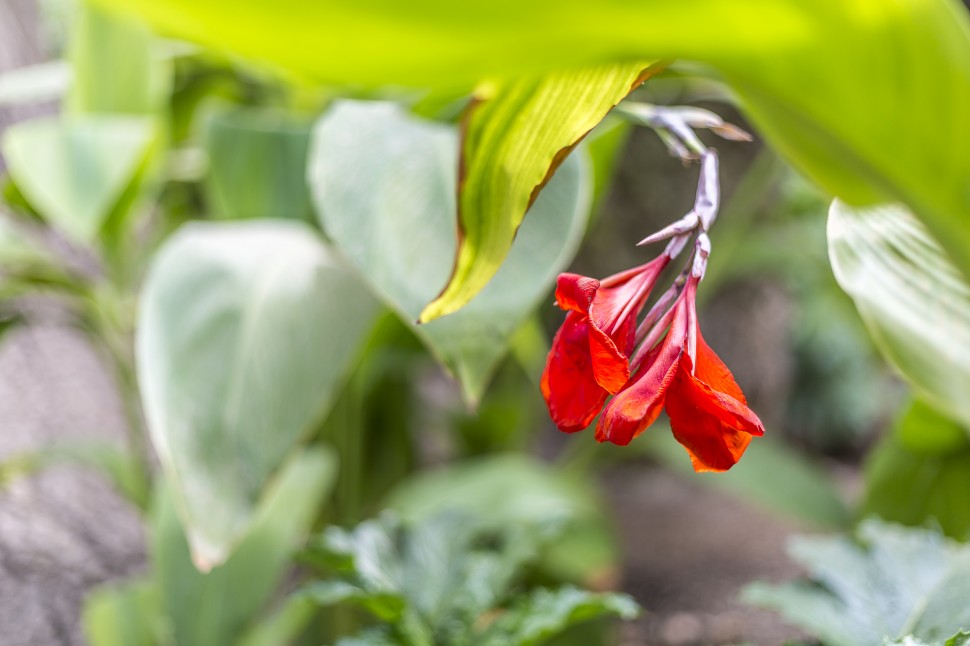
[[611, 365], [714, 427], [712, 371], [638, 405], [575, 292], [571, 392]]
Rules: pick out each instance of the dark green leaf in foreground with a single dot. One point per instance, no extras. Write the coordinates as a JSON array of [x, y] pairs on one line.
[[443, 580], [384, 187], [912, 298], [890, 583], [512, 489], [245, 334], [546, 613], [74, 171], [514, 137], [921, 473]]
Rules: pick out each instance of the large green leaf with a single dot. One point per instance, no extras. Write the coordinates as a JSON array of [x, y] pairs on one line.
[[74, 171], [865, 96], [514, 137], [914, 301], [894, 582], [922, 472], [126, 614], [383, 184], [215, 607], [246, 331]]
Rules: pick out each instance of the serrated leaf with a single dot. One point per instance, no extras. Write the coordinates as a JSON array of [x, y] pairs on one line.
[[218, 606], [892, 583], [74, 171], [547, 613], [915, 303], [505, 490], [383, 184], [514, 137], [246, 331]]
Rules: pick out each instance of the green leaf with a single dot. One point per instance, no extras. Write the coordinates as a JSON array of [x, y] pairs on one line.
[[962, 638], [34, 83], [893, 582], [283, 626], [246, 331], [432, 580], [125, 614], [546, 613], [505, 490], [864, 96], [74, 171], [383, 184], [914, 301], [115, 68], [218, 606], [257, 164], [921, 472], [771, 475], [514, 137]]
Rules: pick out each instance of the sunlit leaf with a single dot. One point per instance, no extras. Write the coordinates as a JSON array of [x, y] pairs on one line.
[[246, 331], [383, 184], [894, 582], [514, 137], [74, 171], [114, 66], [217, 606], [915, 303], [865, 96]]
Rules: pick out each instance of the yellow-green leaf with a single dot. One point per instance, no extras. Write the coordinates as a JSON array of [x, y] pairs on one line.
[[515, 136]]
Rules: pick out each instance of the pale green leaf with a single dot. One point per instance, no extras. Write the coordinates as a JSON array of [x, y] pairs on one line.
[[74, 171], [216, 607], [514, 137], [915, 303], [864, 96], [34, 83], [246, 331], [383, 184], [893, 582]]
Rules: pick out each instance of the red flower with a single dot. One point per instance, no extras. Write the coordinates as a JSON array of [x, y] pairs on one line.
[[589, 359], [708, 413]]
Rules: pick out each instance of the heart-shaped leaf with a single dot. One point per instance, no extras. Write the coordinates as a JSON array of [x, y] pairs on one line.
[[246, 331], [383, 184]]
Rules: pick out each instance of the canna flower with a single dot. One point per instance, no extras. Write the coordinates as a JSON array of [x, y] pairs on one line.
[[589, 359], [708, 412]]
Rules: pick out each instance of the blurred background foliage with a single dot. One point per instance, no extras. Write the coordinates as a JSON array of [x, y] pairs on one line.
[[249, 251]]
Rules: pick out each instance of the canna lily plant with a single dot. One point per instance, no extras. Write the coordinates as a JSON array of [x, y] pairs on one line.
[[661, 362]]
